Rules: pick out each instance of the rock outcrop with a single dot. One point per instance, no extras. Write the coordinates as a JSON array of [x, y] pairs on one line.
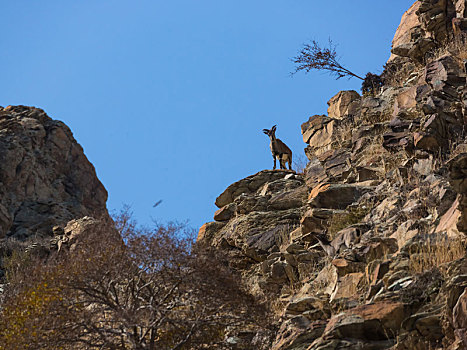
[[367, 248], [253, 223], [46, 180]]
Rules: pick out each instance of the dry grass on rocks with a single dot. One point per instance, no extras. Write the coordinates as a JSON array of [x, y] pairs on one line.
[[456, 47], [430, 253]]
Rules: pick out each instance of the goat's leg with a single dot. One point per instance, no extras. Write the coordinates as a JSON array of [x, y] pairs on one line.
[[281, 161], [290, 162], [274, 157]]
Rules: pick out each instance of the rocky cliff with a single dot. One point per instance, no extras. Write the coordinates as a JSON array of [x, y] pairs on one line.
[[366, 249], [45, 178]]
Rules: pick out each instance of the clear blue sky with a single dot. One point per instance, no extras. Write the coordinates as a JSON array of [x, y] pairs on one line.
[[168, 98]]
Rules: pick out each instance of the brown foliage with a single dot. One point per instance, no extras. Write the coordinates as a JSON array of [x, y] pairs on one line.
[[153, 290], [372, 84]]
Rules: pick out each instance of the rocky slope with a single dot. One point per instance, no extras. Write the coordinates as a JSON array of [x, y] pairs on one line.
[[45, 179], [367, 248]]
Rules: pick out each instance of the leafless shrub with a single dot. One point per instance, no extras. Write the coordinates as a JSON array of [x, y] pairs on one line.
[[314, 57], [151, 290], [344, 130], [300, 162], [401, 72]]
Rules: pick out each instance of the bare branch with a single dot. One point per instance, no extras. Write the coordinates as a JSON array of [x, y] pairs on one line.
[[313, 57]]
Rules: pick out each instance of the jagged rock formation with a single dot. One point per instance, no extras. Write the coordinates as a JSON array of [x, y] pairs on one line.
[[45, 178], [367, 248], [254, 220]]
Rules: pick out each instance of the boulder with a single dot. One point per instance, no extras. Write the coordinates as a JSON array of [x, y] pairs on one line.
[[259, 246], [406, 101], [247, 203], [299, 305], [405, 232], [444, 75], [297, 333], [459, 26], [345, 103], [254, 232], [394, 141], [350, 344], [81, 232], [315, 173], [375, 248], [326, 280], [336, 164], [347, 286], [426, 324], [376, 270], [294, 198], [318, 133], [225, 213], [378, 321], [335, 196], [426, 141], [344, 266]]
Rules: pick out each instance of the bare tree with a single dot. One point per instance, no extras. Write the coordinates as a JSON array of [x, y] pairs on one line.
[[153, 290], [314, 57]]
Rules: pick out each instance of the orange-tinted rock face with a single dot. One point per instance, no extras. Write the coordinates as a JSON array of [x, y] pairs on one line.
[[344, 104], [408, 23]]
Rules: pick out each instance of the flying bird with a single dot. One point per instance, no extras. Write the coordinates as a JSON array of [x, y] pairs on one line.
[[157, 203]]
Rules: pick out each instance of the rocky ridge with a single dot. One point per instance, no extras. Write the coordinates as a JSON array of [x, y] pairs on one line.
[[366, 248], [45, 181]]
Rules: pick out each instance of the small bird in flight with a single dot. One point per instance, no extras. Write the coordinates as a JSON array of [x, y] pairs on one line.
[[157, 203]]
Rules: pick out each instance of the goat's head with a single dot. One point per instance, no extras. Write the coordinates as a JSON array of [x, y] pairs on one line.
[[270, 132]]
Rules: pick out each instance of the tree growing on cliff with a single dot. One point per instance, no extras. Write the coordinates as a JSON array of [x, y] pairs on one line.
[[153, 290], [314, 57]]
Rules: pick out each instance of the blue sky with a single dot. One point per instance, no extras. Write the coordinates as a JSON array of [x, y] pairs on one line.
[[168, 98]]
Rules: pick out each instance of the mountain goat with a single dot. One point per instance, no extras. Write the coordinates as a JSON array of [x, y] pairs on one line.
[[279, 149]]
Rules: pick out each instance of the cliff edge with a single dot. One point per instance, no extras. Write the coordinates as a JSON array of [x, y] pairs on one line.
[[366, 249]]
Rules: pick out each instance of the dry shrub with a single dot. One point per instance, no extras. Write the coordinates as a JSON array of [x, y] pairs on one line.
[[299, 163], [151, 290], [456, 47], [343, 138], [312, 56], [433, 253], [401, 72]]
